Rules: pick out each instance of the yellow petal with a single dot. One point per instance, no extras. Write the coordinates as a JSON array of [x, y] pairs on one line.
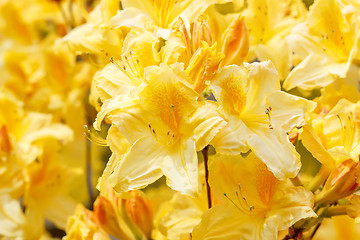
[[288, 111], [205, 123], [12, 218], [226, 222], [181, 168], [273, 147], [139, 167], [313, 72]]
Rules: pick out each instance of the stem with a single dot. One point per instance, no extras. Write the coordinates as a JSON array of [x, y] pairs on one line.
[[315, 229], [205, 153], [320, 178], [89, 173], [296, 181]]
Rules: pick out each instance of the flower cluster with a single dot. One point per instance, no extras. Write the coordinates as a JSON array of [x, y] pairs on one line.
[[204, 119]]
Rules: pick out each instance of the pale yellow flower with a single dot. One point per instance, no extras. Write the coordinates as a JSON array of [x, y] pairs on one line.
[[165, 130], [259, 115], [97, 36], [255, 204], [327, 48], [118, 83]]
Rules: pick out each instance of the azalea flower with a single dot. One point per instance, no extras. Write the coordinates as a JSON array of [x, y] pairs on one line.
[[165, 129], [327, 49], [258, 116], [254, 203], [334, 136]]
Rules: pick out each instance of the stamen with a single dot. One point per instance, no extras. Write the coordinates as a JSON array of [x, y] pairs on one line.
[[267, 112], [152, 131], [342, 130], [134, 79], [94, 137], [232, 201], [171, 139], [243, 196]]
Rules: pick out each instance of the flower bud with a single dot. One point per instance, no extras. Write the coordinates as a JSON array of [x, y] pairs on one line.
[[235, 42], [201, 32], [177, 47], [108, 210], [203, 65], [140, 211], [82, 225], [341, 183]]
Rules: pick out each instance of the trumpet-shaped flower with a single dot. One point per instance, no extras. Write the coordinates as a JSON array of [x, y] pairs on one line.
[[255, 204], [165, 130], [259, 115], [334, 136], [118, 83], [327, 43], [268, 23]]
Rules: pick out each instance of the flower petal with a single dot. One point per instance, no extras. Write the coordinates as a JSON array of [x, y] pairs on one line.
[[288, 111], [139, 167], [181, 168], [273, 147]]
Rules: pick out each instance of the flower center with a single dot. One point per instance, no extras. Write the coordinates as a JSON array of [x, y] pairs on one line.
[[233, 93]]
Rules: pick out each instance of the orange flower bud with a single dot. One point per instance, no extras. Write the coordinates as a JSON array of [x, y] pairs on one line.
[[235, 42], [83, 225], [140, 211], [341, 183], [106, 215], [201, 32]]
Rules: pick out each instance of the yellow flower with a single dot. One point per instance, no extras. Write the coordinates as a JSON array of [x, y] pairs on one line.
[[333, 137], [165, 130], [97, 35], [118, 83], [46, 183], [258, 116], [159, 14], [327, 48], [255, 204]]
